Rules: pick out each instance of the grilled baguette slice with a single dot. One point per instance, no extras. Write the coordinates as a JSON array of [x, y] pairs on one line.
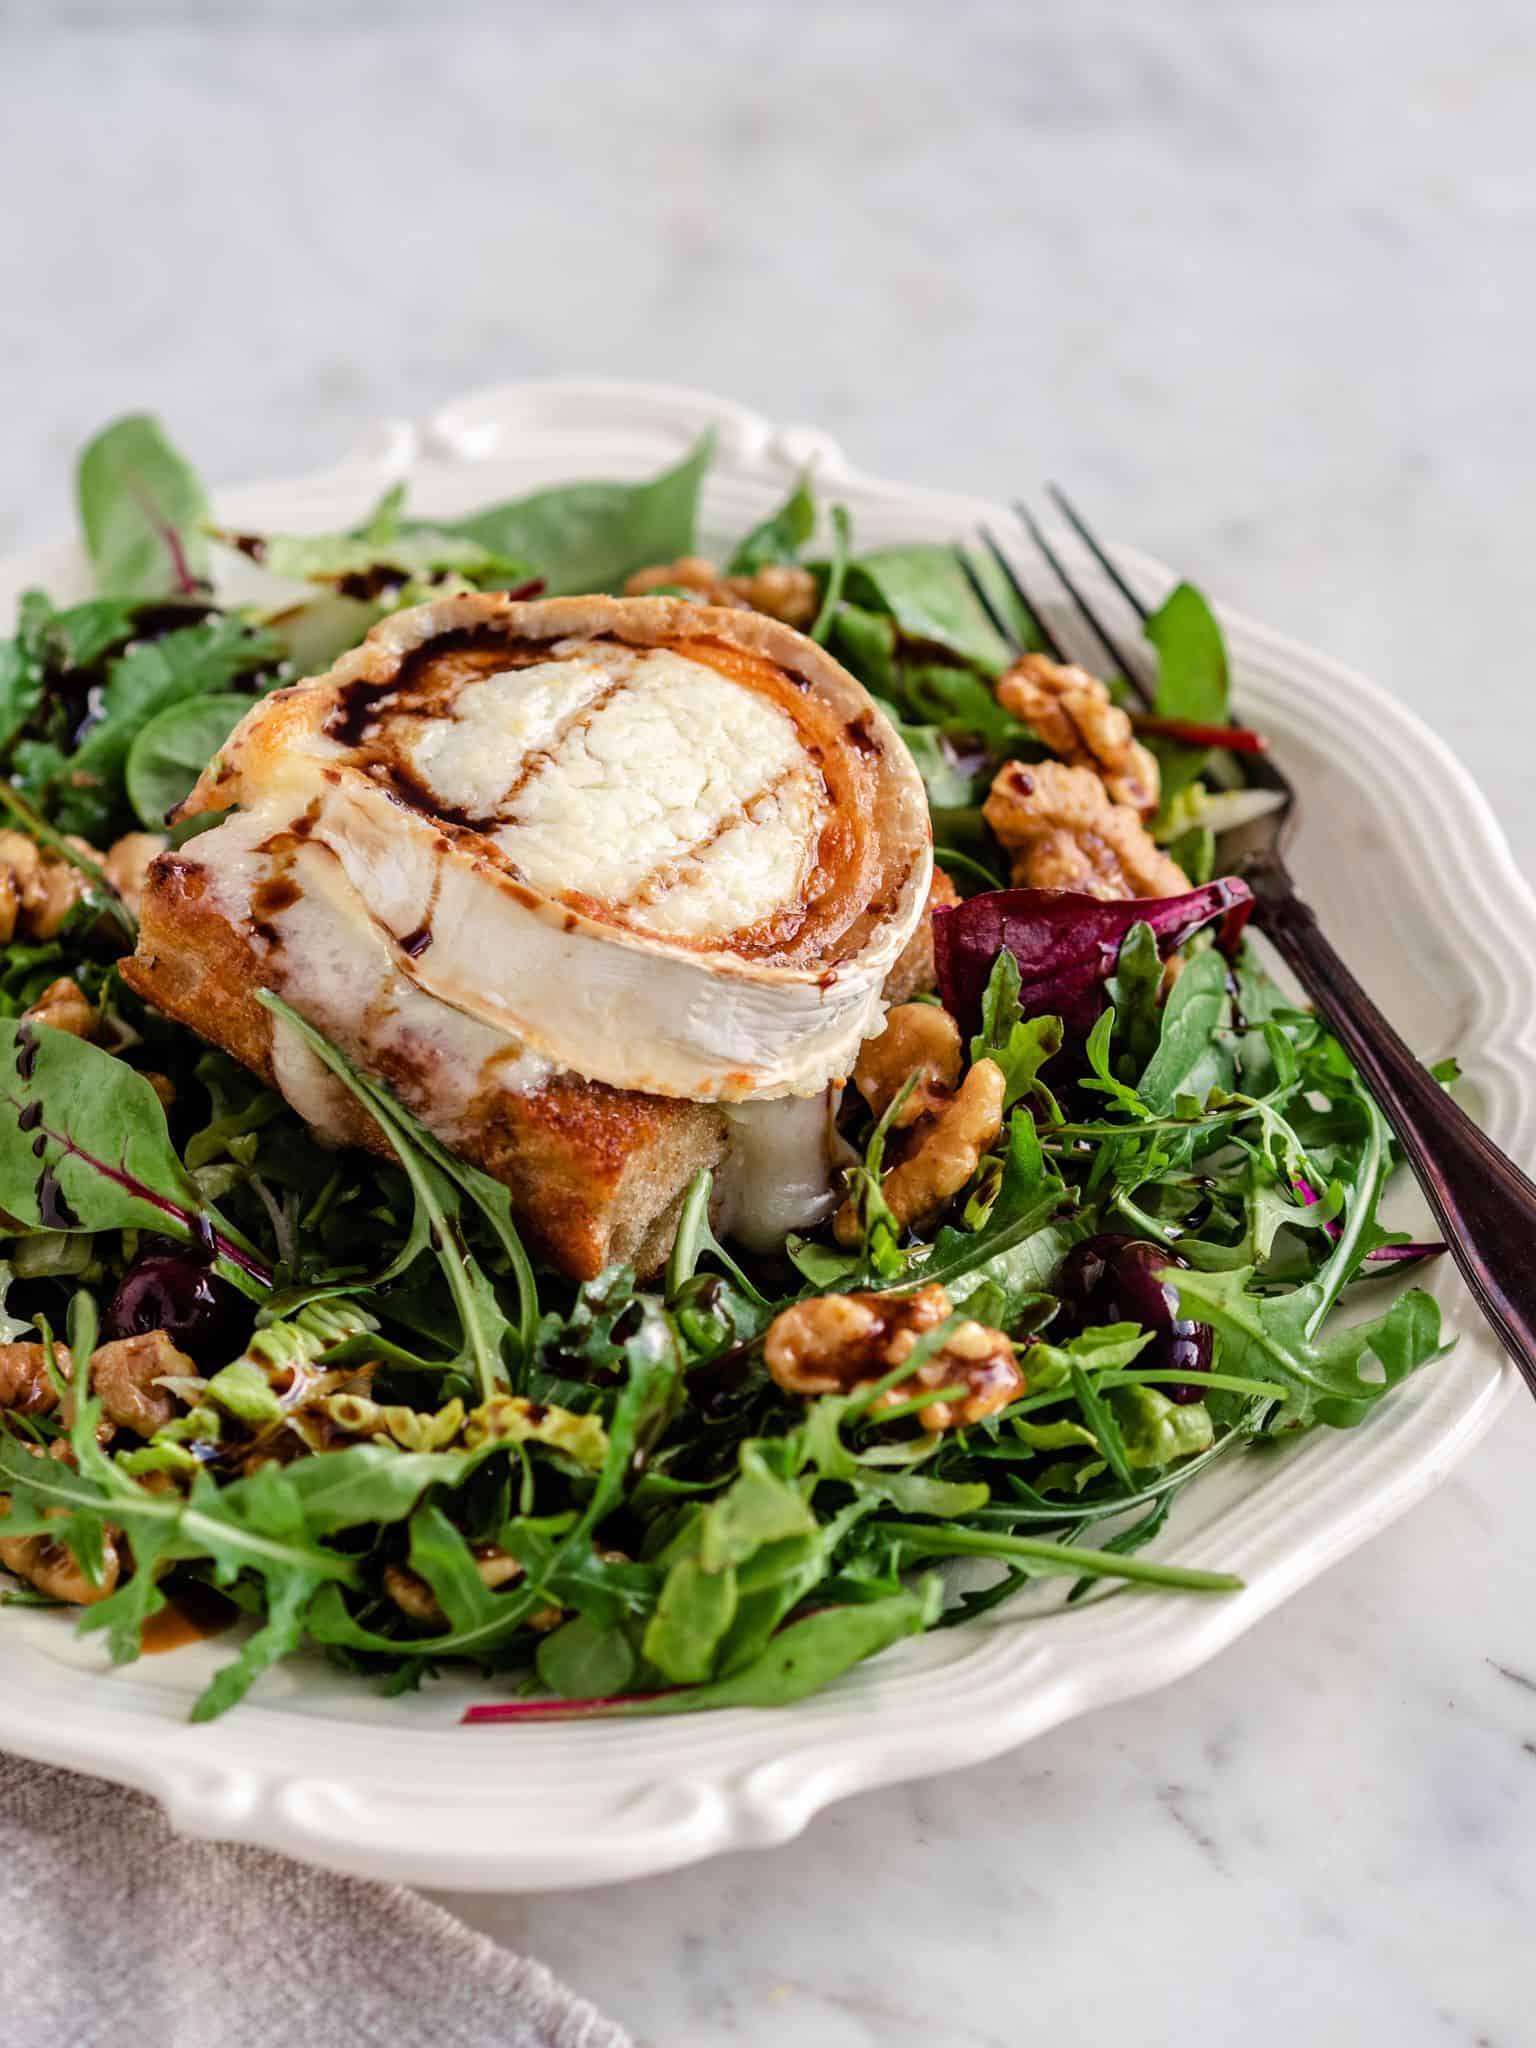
[[597, 1174]]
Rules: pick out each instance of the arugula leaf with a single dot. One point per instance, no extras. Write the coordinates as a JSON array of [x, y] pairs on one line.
[[1193, 1054], [436, 1176], [1048, 1559], [1018, 1255], [649, 1419], [1133, 989], [142, 510], [780, 537], [695, 1237], [288, 1597], [1105, 1081], [1019, 1045], [489, 1620], [367, 1484], [1274, 1338], [591, 536], [254, 1525]]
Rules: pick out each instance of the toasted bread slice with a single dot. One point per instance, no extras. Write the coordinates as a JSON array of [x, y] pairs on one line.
[[596, 1174]]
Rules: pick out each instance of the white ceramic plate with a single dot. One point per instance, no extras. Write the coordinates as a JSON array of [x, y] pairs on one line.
[[1395, 844]]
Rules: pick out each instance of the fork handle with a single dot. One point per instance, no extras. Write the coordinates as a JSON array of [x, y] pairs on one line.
[[1485, 1205]]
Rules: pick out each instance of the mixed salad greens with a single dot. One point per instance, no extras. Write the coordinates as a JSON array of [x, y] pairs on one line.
[[402, 1443]]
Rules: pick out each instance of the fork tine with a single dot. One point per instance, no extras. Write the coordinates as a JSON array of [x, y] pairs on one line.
[[1090, 541], [1015, 583], [1100, 631], [984, 598]]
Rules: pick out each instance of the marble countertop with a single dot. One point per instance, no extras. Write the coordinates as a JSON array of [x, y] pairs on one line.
[[1256, 282]]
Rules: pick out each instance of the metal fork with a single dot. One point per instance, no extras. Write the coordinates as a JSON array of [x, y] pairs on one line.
[[1485, 1206]]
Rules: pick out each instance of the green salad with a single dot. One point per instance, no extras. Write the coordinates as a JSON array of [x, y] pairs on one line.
[[329, 1396]]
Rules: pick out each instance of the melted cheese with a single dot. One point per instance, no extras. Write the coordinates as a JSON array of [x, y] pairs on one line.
[[777, 1176], [645, 782], [594, 854], [338, 969]]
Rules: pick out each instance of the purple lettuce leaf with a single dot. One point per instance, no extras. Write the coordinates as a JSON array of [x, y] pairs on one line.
[[1066, 944]]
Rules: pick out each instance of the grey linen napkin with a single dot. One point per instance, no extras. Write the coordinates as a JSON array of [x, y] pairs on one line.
[[113, 1929]]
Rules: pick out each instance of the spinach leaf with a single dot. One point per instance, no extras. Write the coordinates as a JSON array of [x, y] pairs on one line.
[[1192, 684], [780, 537], [591, 536], [696, 1608], [142, 510], [55, 658], [82, 789], [865, 642], [926, 592], [1192, 674], [584, 1660], [172, 749], [965, 709], [949, 784], [806, 1655], [24, 666], [1156, 1431]]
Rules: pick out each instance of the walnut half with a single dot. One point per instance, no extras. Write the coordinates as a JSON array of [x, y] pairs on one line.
[[779, 588], [837, 1343], [124, 1373], [1064, 831], [496, 1567], [945, 1129], [1072, 713], [64, 1005], [52, 1568], [37, 888]]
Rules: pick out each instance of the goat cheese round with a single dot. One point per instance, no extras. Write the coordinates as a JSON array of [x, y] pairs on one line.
[[670, 847]]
